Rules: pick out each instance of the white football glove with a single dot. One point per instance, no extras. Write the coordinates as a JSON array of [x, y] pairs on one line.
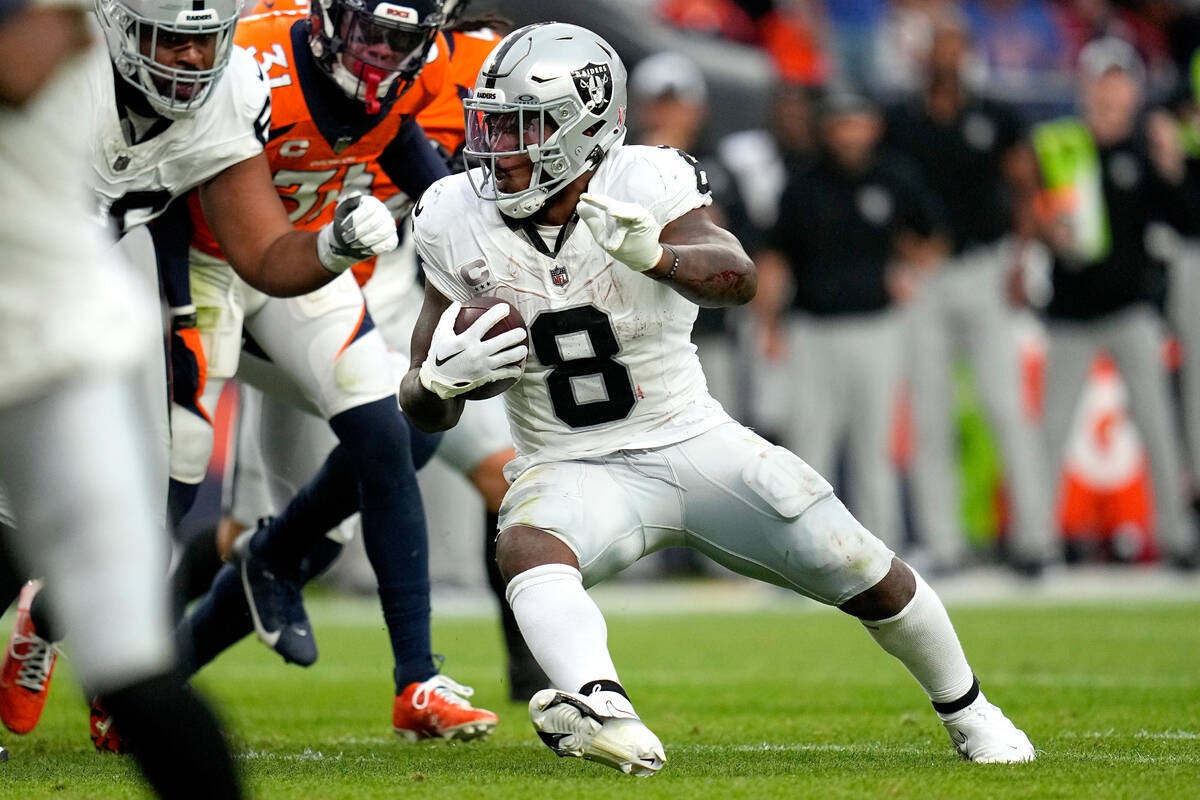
[[459, 362], [362, 227], [626, 230]]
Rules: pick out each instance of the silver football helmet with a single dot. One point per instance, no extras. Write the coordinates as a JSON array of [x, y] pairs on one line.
[[553, 92], [135, 29]]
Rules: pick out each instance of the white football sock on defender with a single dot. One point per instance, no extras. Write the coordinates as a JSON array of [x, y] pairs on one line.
[[562, 626], [923, 638]]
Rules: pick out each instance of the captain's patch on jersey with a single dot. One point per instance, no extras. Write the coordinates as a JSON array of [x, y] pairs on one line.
[[595, 86]]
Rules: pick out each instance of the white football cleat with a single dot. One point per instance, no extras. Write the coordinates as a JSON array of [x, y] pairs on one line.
[[981, 733], [601, 727]]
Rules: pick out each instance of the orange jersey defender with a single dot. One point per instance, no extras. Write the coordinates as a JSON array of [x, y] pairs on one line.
[[310, 173]]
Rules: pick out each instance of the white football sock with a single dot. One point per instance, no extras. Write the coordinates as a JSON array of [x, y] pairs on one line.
[[922, 637], [562, 626]]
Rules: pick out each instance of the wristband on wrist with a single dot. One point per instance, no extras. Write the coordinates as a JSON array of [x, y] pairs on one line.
[[330, 259], [666, 276]]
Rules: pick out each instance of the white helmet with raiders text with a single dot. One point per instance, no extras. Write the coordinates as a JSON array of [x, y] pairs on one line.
[[553, 92], [136, 29]]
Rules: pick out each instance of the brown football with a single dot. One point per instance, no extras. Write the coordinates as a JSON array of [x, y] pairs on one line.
[[474, 309]]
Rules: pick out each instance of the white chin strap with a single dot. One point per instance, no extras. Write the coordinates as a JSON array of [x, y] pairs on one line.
[[523, 204]]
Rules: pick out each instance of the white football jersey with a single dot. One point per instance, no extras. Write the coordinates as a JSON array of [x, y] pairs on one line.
[[136, 182], [67, 304], [611, 363]]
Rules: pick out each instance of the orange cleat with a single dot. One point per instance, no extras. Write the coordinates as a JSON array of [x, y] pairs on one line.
[[104, 735], [26, 669], [437, 708]]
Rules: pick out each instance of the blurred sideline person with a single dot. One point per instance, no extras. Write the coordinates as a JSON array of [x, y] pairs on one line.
[[966, 146], [759, 161], [347, 81], [1183, 292], [668, 99], [851, 227], [620, 449], [280, 447], [175, 107], [1106, 177], [75, 323]]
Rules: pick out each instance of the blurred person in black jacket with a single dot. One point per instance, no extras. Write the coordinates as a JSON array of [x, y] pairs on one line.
[[966, 146], [851, 226]]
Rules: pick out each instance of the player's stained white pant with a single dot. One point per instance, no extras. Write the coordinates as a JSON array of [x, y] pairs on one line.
[[75, 460], [757, 509], [962, 308]]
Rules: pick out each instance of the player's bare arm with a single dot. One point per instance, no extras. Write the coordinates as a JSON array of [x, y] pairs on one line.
[[714, 270], [703, 262], [251, 225]]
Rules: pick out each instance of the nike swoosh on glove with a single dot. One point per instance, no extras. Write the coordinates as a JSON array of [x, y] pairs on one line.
[[459, 362]]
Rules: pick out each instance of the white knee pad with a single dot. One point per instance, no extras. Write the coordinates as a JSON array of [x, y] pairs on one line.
[[191, 445], [543, 573]]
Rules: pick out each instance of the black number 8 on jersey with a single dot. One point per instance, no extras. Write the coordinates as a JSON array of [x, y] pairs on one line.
[[549, 334]]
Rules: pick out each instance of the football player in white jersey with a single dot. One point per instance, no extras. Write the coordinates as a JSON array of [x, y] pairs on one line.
[[74, 322], [620, 449], [174, 106]]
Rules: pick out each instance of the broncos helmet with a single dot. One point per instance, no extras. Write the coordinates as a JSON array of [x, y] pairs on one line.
[[384, 41], [558, 84], [133, 30]]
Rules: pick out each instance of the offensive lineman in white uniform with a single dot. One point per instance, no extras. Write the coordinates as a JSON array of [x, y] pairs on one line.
[[74, 322], [620, 449], [174, 106]]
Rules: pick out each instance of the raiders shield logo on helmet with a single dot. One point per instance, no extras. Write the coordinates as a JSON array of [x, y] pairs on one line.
[[594, 84]]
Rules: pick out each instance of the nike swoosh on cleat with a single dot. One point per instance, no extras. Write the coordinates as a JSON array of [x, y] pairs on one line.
[[955, 737]]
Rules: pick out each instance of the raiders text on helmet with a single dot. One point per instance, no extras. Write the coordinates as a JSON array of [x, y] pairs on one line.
[[134, 29], [558, 84]]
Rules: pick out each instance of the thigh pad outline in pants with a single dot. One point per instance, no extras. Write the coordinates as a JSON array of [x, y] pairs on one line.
[[763, 512], [317, 340]]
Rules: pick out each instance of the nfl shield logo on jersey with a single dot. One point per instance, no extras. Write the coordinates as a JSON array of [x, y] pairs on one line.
[[595, 87], [559, 275]]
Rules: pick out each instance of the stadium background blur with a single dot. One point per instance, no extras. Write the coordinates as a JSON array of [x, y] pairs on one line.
[[732, 58]]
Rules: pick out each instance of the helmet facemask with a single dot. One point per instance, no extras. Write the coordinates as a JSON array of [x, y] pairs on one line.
[[562, 89], [134, 40], [385, 44], [498, 130]]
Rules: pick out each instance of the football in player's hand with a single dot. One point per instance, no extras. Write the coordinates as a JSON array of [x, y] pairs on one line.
[[473, 310]]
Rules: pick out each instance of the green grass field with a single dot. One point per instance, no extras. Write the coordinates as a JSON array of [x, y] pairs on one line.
[[783, 703]]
